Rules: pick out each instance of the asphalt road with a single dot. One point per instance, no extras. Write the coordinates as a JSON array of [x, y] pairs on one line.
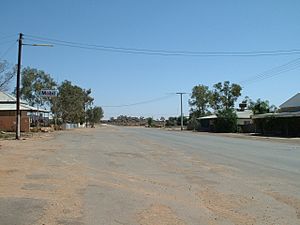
[[142, 176]]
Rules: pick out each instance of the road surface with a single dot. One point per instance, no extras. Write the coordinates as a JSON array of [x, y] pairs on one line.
[[142, 176]]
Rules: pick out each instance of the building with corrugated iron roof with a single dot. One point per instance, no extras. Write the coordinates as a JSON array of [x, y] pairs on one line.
[[8, 113], [285, 122]]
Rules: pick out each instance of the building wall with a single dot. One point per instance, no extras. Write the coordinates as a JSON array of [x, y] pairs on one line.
[[8, 123], [278, 126], [12, 113], [244, 125], [244, 121]]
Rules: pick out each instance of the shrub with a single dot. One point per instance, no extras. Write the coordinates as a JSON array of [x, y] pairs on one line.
[[226, 121]]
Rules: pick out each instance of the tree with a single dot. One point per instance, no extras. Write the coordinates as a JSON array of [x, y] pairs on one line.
[[224, 95], [171, 121], [185, 121], [261, 106], [32, 82], [226, 121], [94, 115], [193, 123], [70, 103], [150, 121], [6, 75], [199, 101]]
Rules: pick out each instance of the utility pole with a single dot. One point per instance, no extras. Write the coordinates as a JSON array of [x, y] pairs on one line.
[[181, 93], [18, 112]]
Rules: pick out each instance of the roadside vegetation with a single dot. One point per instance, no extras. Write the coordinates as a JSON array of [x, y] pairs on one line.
[[220, 100], [73, 104]]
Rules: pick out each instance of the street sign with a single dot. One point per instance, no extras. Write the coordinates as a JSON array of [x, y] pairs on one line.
[[48, 93]]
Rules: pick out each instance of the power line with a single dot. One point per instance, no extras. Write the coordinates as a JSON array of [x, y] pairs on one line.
[[140, 103], [5, 42], [162, 52], [276, 73], [8, 49], [294, 62], [291, 65], [7, 36]]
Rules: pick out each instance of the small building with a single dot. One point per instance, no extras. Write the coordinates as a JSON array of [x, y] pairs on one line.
[[244, 121], [8, 113], [285, 122]]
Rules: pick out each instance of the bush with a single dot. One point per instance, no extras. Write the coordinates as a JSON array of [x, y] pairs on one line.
[[226, 121], [193, 123], [150, 122], [185, 121]]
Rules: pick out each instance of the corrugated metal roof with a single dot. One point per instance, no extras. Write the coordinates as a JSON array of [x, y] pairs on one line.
[[246, 114], [7, 98], [4, 97], [208, 117], [8, 103], [292, 102], [282, 115], [23, 107]]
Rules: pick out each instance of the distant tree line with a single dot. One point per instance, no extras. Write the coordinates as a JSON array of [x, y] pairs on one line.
[[176, 121]]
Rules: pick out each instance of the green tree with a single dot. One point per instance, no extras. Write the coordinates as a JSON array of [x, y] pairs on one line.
[[70, 103], [193, 123], [185, 121], [226, 121], [94, 115], [199, 101], [6, 75], [171, 121], [33, 81], [224, 95], [150, 121], [261, 106]]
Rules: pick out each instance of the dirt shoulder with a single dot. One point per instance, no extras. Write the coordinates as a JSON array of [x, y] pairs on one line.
[[38, 185]]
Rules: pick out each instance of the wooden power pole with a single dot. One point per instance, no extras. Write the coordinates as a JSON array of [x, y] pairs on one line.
[[18, 111], [181, 93]]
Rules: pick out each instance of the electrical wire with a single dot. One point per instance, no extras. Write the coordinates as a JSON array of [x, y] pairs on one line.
[[8, 49], [140, 103], [160, 52], [291, 65], [7, 36], [5, 42]]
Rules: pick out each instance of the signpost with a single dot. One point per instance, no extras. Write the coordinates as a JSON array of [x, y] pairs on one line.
[[47, 93]]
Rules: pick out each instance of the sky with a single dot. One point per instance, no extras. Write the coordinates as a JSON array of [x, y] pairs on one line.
[[118, 78]]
